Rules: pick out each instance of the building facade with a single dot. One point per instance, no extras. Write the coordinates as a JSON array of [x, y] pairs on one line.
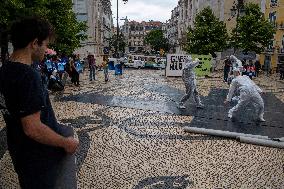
[[273, 55], [172, 30], [98, 15], [135, 33], [186, 11]]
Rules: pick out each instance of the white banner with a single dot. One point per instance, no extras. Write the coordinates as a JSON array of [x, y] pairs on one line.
[[175, 64]]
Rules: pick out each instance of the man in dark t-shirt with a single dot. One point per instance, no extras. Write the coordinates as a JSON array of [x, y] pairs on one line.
[[36, 142]]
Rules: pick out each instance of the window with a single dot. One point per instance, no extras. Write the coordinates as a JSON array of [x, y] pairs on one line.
[[271, 44], [273, 3]]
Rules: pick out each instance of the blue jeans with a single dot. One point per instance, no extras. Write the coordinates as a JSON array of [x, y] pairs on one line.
[[92, 73]]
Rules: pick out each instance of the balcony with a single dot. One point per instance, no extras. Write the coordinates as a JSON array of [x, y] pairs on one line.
[[272, 4], [281, 26]]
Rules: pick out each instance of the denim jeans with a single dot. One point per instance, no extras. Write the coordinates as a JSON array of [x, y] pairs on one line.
[[92, 73]]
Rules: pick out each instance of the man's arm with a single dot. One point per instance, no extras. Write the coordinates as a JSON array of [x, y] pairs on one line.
[[231, 91], [36, 130], [195, 63]]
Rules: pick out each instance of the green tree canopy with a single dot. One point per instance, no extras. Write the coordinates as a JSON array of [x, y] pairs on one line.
[[252, 32], [209, 35], [156, 40], [69, 32], [114, 41]]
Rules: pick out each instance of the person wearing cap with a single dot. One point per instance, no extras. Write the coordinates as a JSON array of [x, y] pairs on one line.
[[249, 93], [188, 77]]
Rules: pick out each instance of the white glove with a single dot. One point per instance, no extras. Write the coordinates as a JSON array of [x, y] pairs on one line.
[[197, 60], [236, 98]]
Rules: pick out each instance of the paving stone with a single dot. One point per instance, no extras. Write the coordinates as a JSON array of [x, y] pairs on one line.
[[127, 147]]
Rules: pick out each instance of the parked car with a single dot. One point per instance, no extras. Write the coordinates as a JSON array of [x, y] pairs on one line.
[[161, 64], [138, 64], [135, 64]]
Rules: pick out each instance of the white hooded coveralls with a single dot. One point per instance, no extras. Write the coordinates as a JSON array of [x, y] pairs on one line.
[[249, 93], [188, 77]]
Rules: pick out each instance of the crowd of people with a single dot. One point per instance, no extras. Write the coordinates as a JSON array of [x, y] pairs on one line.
[[249, 67], [53, 67]]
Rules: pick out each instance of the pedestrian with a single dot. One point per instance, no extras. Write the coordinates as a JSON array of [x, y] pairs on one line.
[[92, 66], [267, 67], [36, 142], [249, 93], [75, 75], [245, 67], [188, 77], [281, 70], [105, 67], [250, 69], [227, 66], [257, 68]]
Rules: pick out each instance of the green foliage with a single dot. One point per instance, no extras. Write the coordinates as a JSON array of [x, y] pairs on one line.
[[252, 32], [8, 10], [68, 30], [120, 40], [208, 36], [156, 40]]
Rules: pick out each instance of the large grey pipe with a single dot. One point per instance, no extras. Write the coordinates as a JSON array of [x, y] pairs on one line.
[[246, 138], [261, 142]]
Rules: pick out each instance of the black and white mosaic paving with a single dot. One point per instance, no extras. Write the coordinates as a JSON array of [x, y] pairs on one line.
[[131, 136]]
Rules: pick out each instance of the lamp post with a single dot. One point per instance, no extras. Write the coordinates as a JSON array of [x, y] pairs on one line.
[[117, 29], [237, 8]]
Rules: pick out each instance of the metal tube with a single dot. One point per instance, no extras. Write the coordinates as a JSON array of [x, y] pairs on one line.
[[221, 133], [245, 138], [261, 142]]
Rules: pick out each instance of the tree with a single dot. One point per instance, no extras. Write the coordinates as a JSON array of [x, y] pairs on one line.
[[69, 32], [120, 40], [156, 40], [209, 35], [253, 32], [8, 11]]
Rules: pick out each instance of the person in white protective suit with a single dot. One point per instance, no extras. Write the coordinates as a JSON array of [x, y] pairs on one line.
[[249, 93], [188, 77], [236, 63]]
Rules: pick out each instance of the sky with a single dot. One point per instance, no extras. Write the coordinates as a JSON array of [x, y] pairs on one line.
[[144, 10]]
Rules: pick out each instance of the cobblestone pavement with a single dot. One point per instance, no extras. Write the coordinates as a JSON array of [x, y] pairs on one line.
[[136, 148]]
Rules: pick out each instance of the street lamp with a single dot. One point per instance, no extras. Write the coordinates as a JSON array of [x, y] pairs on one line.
[[236, 10], [117, 28]]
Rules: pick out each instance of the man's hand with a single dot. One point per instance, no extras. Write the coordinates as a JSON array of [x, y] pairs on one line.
[[71, 145], [197, 60]]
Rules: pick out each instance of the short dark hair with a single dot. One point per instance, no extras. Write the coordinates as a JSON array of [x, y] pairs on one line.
[[27, 29]]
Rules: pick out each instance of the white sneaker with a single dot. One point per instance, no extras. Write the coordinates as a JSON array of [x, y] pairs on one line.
[[200, 106], [181, 107], [261, 119], [230, 116]]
